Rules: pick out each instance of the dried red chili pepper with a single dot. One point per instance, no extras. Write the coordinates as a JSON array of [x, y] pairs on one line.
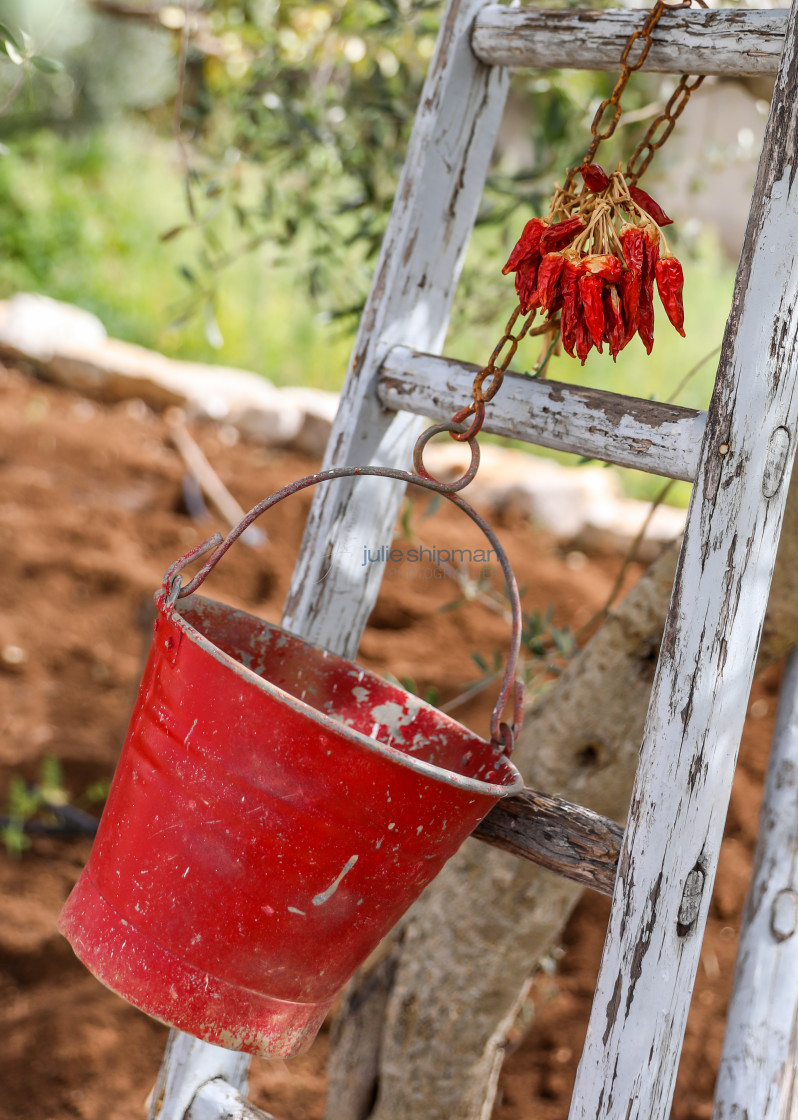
[[526, 283], [645, 317], [650, 256], [614, 328], [590, 289], [548, 278], [595, 177], [571, 305], [528, 244], [670, 281], [629, 287], [584, 341], [651, 206], [603, 265], [633, 246], [556, 237]]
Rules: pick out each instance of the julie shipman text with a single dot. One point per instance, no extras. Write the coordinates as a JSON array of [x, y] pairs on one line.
[[384, 554]]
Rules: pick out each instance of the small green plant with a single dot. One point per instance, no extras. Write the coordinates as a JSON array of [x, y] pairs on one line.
[[25, 802]]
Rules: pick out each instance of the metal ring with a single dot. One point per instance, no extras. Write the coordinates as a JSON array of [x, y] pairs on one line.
[[423, 440], [466, 435]]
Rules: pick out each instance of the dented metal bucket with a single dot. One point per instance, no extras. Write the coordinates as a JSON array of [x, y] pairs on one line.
[[275, 810]]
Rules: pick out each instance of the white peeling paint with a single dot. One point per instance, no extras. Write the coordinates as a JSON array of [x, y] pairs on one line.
[[320, 899]]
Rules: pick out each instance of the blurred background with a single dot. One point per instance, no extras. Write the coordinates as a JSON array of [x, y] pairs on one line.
[[212, 179]]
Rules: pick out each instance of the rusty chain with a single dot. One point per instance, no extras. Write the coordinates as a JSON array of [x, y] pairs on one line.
[[480, 395], [638, 163], [651, 143]]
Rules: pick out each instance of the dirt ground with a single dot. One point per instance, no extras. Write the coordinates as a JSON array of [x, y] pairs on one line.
[[91, 514]]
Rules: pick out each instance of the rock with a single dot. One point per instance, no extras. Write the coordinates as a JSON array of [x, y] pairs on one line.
[[36, 327], [70, 347], [581, 506], [318, 408]]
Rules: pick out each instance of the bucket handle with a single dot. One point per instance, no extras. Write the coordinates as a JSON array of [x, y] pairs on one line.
[[502, 735]]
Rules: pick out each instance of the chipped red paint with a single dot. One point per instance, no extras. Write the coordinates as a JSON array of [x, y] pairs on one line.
[[275, 810]]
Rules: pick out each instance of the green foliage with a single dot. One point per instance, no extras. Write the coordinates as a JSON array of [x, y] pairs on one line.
[[80, 220], [23, 802]]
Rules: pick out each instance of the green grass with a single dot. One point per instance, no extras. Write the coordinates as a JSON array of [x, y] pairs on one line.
[[81, 220]]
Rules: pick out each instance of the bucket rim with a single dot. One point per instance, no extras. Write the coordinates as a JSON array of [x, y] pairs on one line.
[[428, 769]]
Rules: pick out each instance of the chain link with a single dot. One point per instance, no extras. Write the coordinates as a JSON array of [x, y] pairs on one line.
[[495, 369], [643, 36], [639, 161], [651, 143]]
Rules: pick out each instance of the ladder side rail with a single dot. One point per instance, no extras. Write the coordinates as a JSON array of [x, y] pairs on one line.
[[217, 1100], [414, 282], [187, 1064], [731, 42], [758, 1073], [699, 697], [663, 439], [433, 215]]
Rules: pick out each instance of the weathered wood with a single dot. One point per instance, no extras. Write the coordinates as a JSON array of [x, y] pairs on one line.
[[581, 739], [433, 213], [758, 1075], [679, 803], [217, 1100], [188, 1064], [662, 439], [422, 253], [568, 839], [695, 42]]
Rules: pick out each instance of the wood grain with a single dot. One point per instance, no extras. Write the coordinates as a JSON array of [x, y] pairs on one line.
[[568, 839], [662, 439], [703, 677], [758, 1075], [422, 253], [695, 42]]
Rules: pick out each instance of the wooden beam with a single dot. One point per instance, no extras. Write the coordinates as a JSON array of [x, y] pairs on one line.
[[217, 1100], [422, 253], [700, 692], [758, 1075], [662, 439], [568, 839], [731, 42], [188, 1064]]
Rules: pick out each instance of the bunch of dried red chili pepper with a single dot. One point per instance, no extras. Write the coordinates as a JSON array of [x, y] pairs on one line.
[[594, 260]]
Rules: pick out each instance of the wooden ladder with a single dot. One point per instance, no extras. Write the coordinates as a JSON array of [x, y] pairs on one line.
[[739, 455]]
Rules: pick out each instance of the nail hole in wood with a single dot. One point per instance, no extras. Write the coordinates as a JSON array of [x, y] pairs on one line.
[[784, 915]]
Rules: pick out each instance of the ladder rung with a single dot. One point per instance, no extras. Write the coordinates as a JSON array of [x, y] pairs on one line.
[[694, 42], [662, 439], [568, 839]]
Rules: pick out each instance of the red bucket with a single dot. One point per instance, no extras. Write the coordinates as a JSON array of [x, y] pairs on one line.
[[275, 810]]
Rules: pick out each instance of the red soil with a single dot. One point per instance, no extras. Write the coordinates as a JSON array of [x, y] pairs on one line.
[[90, 517]]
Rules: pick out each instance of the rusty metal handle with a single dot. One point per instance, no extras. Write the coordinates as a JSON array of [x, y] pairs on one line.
[[502, 735]]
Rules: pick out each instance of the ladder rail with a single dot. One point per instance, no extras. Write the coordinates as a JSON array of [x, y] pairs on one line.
[[701, 687], [758, 1074], [685, 41], [662, 439]]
